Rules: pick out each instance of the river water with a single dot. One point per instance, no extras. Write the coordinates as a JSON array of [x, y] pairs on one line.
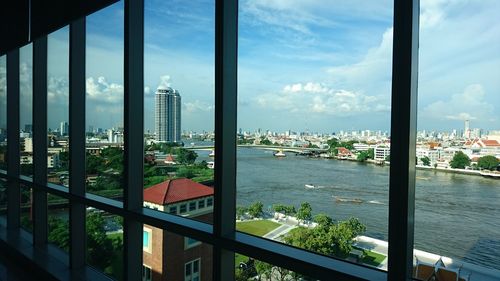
[[456, 215]]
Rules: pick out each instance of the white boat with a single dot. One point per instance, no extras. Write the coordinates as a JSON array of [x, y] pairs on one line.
[[310, 186], [280, 153], [212, 153]]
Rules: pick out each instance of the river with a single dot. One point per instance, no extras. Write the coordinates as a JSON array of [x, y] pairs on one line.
[[455, 215]]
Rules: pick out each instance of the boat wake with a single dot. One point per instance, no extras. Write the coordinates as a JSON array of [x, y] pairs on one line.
[[347, 200], [376, 202]]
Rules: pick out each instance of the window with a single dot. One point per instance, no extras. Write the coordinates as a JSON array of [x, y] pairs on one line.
[[173, 210], [126, 117], [192, 206], [147, 236], [146, 273], [192, 271], [190, 242], [183, 208], [201, 204]]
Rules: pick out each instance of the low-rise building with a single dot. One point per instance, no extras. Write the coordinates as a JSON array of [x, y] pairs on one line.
[[168, 256]]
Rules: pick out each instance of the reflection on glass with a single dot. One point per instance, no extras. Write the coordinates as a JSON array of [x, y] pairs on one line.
[[104, 102], [58, 103], [3, 198], [314, 91], [58, 223], [3, 112], [26, 207], [458, 140], [26, 108], [178, 106], [105, 242]]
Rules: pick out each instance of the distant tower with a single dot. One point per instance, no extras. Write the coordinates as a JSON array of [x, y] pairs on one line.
[[64, 128], [467, 129], [168, 115]]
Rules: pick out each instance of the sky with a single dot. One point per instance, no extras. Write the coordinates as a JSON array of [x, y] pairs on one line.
[[304, 65]]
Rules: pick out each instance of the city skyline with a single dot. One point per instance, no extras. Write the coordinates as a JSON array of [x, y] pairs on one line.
[[337, 75]]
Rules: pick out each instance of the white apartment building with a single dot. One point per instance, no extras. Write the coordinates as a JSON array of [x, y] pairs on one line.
[[381, 152]]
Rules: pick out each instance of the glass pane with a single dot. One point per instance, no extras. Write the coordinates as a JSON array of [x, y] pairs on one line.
[[3, 112], [313, 137], [3, 198], [248, 268], [171, 257], [26, 207], [26, 108], [105, 242], [58, 107], [58, 221], [104, 102], [179, 106], [458, 139]]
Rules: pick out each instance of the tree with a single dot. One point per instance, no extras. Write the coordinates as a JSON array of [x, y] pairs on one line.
[[323, 220], [185, 156], [488, 162], [100, 248], [371, 153], [263, 270], [305, 212], [265, 141], [240, 212], [426, 161], [460, 160], [256, 209], [58, 233], [388, 158], [362, 156]]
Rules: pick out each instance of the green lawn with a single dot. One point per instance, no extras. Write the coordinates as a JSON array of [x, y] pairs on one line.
[[372, 258], [258, 227]]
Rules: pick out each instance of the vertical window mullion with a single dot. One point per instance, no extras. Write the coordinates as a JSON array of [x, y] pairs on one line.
[[403, 138], [226, 42], [134, 134], [40, 139], [13, 147], [77, 141]]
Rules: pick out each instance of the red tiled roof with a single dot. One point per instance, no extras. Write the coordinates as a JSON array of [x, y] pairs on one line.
[[490, 142], [172, 191]]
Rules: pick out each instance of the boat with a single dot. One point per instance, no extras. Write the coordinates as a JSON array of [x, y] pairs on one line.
[[310, 186], [212, 153], [347, 200], [279, 153]]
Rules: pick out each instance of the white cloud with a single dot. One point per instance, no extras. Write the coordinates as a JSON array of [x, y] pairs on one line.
[[165, 82], [101, 91], [318, 98], [197, 106], [468, 105]]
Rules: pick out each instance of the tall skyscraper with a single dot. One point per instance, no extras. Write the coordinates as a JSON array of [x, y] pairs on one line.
[[64, 130], [467, 129], [167, 115]]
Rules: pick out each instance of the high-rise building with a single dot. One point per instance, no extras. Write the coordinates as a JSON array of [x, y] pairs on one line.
[[168, 115], [64, 130], [467, 129]]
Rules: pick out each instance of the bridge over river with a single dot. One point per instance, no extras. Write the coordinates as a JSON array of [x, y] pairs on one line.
[[294, 149]]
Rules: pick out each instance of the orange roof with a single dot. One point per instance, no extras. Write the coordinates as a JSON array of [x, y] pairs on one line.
[[177, 190], [490, 142]]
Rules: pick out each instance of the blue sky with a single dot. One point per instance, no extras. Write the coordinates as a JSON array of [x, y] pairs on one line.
[[303, 64]]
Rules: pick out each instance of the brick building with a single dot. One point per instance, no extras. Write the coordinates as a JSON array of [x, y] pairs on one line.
[[168, 256]]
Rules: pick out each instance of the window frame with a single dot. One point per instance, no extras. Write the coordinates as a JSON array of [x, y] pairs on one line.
[[222, 235]]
